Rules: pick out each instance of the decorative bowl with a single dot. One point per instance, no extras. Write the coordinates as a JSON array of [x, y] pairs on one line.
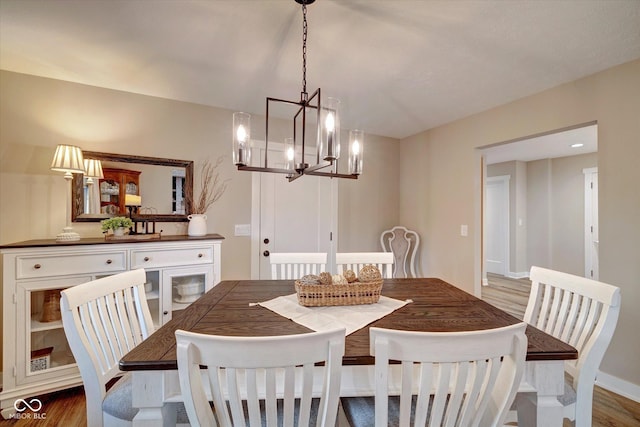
[[189, 289]]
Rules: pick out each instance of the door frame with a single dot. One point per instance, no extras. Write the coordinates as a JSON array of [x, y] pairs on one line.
[[590, 220]]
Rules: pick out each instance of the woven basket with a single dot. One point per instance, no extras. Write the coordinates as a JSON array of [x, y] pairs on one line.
[[326, 295]]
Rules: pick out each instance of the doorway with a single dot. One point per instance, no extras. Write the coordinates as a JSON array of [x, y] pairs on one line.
[[548, 205]]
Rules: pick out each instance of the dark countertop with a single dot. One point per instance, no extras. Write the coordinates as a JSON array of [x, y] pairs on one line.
[[41, 243]]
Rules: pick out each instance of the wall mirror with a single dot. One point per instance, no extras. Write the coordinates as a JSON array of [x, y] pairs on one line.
[[149, 187]]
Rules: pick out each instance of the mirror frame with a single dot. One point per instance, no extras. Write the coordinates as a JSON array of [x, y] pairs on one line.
[[77, 196]]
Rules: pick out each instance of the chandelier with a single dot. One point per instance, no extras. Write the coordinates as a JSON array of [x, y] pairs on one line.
[[315, 120]]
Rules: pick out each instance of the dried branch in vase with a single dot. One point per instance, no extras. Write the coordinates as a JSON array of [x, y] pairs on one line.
[[212, 187]]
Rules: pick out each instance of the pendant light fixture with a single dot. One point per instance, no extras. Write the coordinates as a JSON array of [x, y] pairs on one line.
[[315, 121]]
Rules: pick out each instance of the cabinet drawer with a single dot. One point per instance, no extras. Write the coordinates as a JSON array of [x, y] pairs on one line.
[[28, 267], [171, 257]]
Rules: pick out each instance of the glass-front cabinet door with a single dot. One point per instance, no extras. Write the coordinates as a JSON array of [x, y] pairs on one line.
[[41, 345], [183, 286], [152, 292]]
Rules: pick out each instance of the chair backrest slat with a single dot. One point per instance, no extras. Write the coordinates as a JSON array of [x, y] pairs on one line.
[[354, 261], [461, 378], [259, 372], [295, 265]]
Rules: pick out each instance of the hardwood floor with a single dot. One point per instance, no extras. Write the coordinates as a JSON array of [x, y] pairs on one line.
[[60, 409], [609, 409], [67, 408]]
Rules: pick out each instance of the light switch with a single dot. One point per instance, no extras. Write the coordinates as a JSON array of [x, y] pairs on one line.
[[464, 230], [243, 230]]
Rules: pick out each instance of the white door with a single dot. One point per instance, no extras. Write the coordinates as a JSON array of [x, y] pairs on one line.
[[297, 216], [591, 241], [497, 225]]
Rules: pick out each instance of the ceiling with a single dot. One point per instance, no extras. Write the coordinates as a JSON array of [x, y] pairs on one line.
[[399, 67]]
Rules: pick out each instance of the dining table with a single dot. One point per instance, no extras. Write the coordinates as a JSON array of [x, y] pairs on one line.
[[431, 304]]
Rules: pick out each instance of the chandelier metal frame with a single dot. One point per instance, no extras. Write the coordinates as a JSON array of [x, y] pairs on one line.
[[306, 102]]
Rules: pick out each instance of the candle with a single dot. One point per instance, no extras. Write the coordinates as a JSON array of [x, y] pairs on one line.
[[132, 200], [241, 138], [329, 124], [355, 157]]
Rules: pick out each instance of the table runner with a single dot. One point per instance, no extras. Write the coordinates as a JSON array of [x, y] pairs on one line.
[[350, 317]]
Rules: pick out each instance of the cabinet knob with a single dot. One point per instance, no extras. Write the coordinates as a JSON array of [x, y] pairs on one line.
[[165, 312], [37, 266], [200, 255], [109, 261], [146, 258]]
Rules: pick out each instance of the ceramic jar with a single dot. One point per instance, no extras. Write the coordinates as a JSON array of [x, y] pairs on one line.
[[197, 225]]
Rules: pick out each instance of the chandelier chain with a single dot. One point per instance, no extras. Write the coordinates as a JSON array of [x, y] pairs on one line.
[[304, 48]]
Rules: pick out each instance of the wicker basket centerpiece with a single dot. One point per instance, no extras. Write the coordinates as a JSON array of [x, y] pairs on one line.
[[340, 289]]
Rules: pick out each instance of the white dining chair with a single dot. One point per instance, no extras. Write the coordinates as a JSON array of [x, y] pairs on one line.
[[403, 243], [583, 313], [296, 264], [103, 320], [254, 381], [446, 378], [354, 261]]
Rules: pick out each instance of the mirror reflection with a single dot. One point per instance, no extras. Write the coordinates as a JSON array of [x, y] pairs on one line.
[[149, 187]]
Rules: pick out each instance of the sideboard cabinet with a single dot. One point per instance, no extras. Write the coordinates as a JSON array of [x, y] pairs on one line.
[[36, 355]]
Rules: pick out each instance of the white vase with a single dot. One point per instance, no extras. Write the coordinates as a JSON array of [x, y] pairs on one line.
[[197, 224], [118, 231]]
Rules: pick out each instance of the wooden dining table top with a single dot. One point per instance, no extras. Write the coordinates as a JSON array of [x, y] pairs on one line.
[[437, 307]]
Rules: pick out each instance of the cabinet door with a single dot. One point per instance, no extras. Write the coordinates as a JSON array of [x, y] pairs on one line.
[[110, 189], [117, 183], [42, 351], [152, 289], [130, 181], [183, 286]]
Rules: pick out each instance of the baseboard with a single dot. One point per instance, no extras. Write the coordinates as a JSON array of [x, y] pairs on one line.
[[619, 386], [520, 275]]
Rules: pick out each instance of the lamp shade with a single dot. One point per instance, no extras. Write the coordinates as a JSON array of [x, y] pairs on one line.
[[132, 200], [93, 168], [68, 158]]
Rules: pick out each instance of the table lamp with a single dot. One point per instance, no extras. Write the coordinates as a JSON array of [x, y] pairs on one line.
[[92, 169], [68, 159], [133, 202]]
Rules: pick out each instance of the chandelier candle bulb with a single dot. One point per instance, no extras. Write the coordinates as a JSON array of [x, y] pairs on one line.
[[241, 139], [329, 133], [356, 142], [289, 155]]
